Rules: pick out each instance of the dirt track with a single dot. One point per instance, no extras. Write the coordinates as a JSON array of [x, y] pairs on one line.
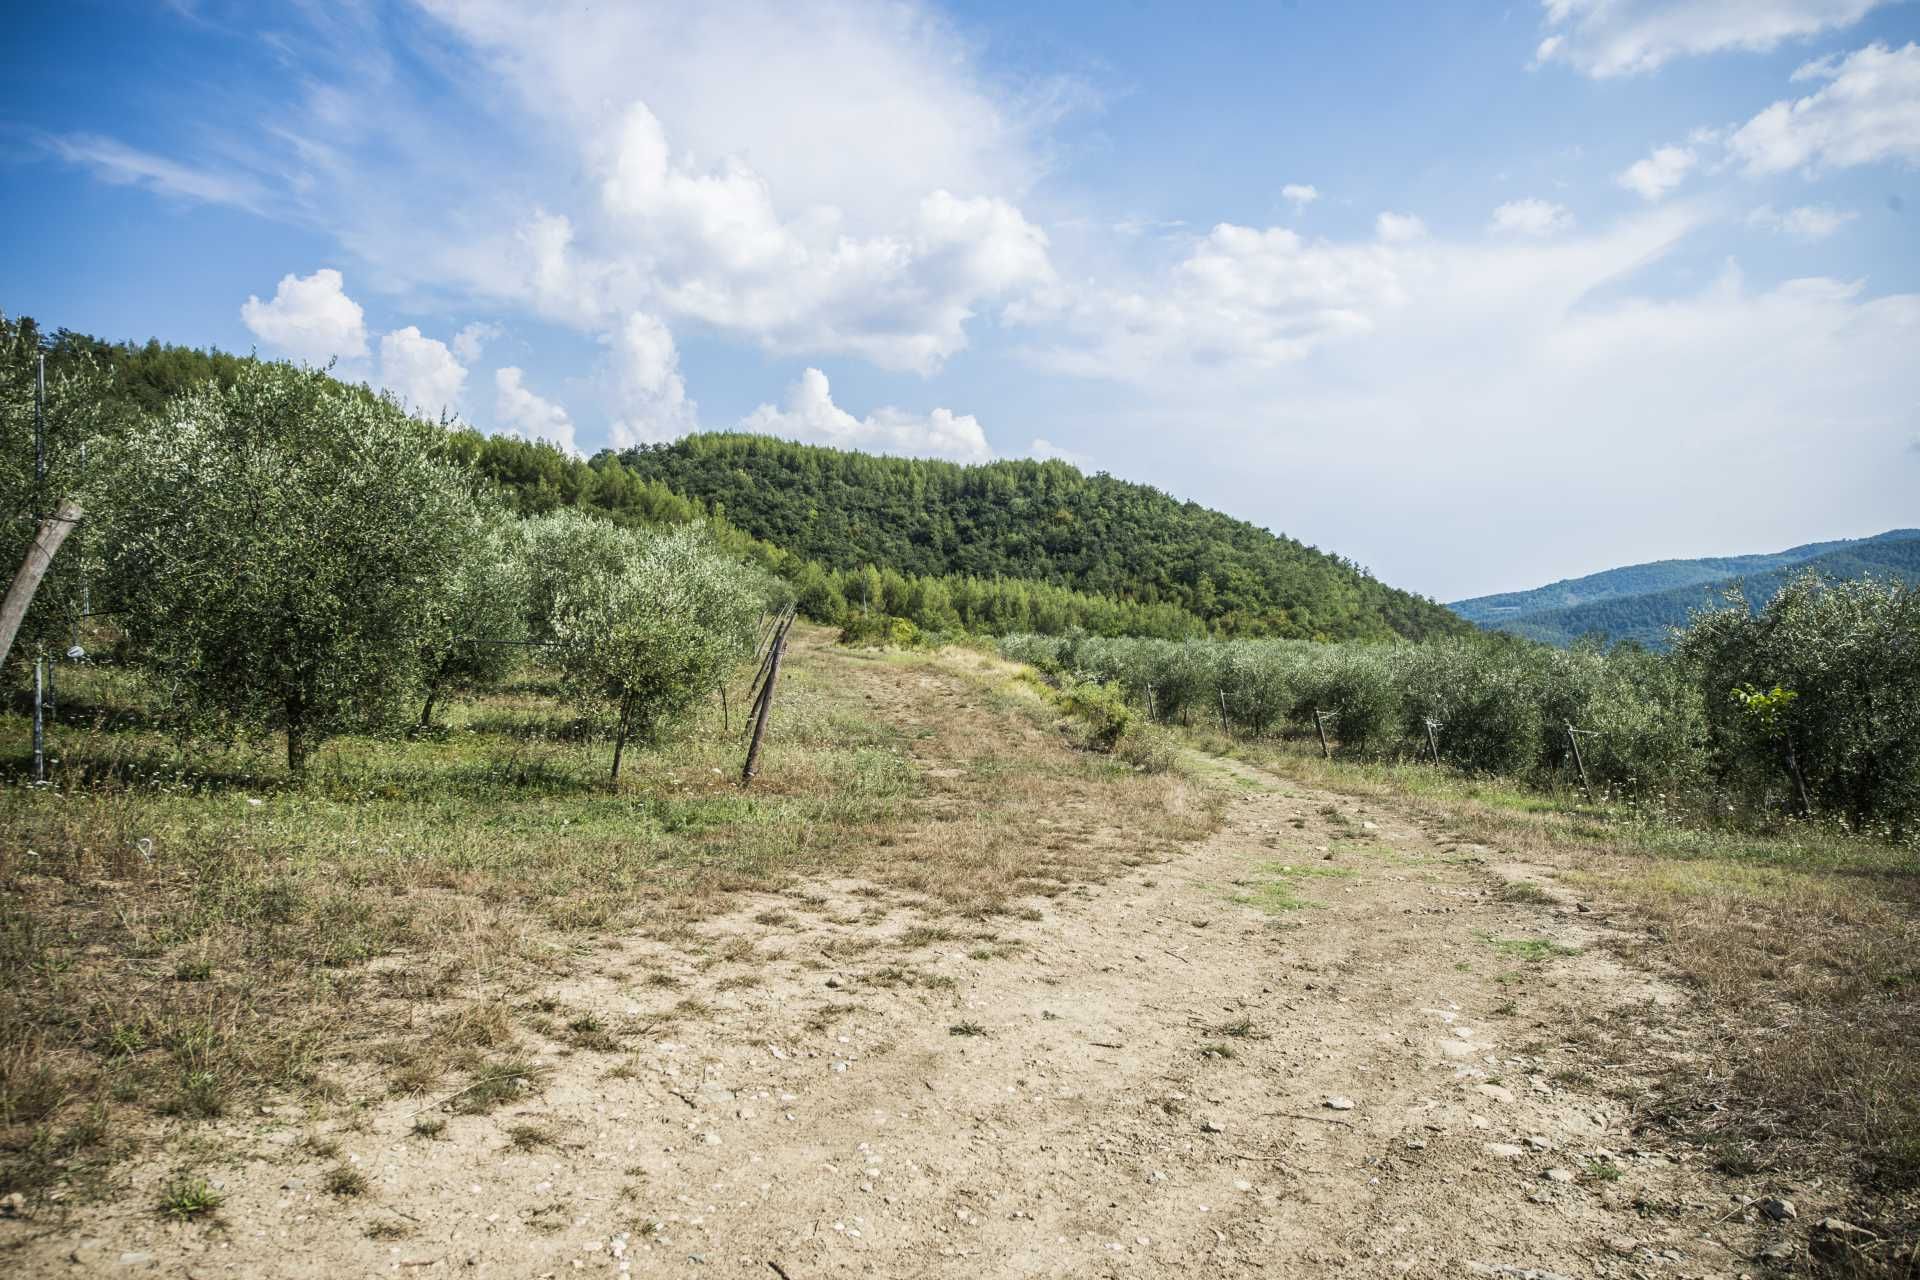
[[830, 1122]]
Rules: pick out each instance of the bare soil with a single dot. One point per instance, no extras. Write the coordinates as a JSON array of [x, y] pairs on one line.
[[1325, 1039]]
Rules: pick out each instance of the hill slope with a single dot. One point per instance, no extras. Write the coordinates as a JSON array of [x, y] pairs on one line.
[[1641, 602], [1039, 520]]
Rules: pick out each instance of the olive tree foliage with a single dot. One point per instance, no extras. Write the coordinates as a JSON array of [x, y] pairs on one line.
[[570, 553], [81, 418], [284, 551], [640, 646], [1818, 695], [480, 632]]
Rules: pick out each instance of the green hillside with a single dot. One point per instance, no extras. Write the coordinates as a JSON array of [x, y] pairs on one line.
[[1642, 603], [1044, 521]]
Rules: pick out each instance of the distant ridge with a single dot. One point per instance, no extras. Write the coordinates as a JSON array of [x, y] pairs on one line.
[[1642, 602]]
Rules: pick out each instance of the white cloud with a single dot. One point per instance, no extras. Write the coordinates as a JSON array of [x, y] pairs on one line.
[[472, 340], [1867, 111], [1532, 217], [1807, 222], [115, 162], [311, 318], [1621, 37], [1242, 297], [1299, 194], [1509, 392], [811, 416], [651, 395], [525, 414], [1046, 450], [421, 371], [1659, 172], [1397, 228], [803, 216]]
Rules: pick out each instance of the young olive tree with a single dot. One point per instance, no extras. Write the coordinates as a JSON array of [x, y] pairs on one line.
[[284, 551], [479, 635], [645, 644]]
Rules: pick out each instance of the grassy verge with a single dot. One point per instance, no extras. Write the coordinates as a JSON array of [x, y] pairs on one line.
[[187, 931], [1804, 948]]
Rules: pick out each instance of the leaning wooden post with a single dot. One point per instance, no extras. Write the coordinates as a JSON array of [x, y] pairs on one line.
[[1433, 738], [726, 721], [53, 531], [1225, 727], [765, 710], [1580, 761], [1320, 725]]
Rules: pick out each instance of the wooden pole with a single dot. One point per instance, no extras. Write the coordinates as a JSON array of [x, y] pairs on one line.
[[726, 722], [764, 710], [39, 720], [1433, 740], [46, 543], [1320, 725], [1573, 737], [1225, 727]]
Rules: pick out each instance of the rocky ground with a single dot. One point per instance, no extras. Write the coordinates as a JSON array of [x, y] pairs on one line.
[[1324, 1040]]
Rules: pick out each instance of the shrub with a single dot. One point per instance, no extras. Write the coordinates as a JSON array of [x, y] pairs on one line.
[[879, 631], [1102, 707]]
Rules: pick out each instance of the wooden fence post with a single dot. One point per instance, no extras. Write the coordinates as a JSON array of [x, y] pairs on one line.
[[764, 708], [1433, 738], [1573, 738], [1320, 725], [53, 531]]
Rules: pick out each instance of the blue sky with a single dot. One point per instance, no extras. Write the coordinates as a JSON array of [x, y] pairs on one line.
[[1476, 295]]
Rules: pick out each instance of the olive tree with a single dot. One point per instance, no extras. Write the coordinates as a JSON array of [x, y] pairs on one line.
[[479, 632], [1816, 698], [644, 644], [284, 552]]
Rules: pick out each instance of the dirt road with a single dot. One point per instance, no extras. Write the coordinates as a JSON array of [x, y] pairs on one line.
[[1324, 1040]]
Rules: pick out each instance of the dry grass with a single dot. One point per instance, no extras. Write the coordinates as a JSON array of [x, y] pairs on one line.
[[1803, 948], [186, 930]]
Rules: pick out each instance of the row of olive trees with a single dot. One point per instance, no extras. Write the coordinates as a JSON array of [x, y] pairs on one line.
[[292, 555], [1812, 704]]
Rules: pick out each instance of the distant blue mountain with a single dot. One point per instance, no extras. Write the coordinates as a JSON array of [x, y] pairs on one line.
[[1643, 602]]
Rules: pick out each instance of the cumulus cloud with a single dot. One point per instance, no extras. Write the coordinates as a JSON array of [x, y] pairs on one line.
[[1868, 110], [1531, 217], [811, 416], [310, 318], [521, 412], [1807, 222], [1299, 194], [1659, 173], [1621, 37], [1243, 296], [473, 339], [422, 371], [650, 393]]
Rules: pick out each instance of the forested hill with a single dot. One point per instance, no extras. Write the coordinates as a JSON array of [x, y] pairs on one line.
[[1038, 520], [1644, 602]]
